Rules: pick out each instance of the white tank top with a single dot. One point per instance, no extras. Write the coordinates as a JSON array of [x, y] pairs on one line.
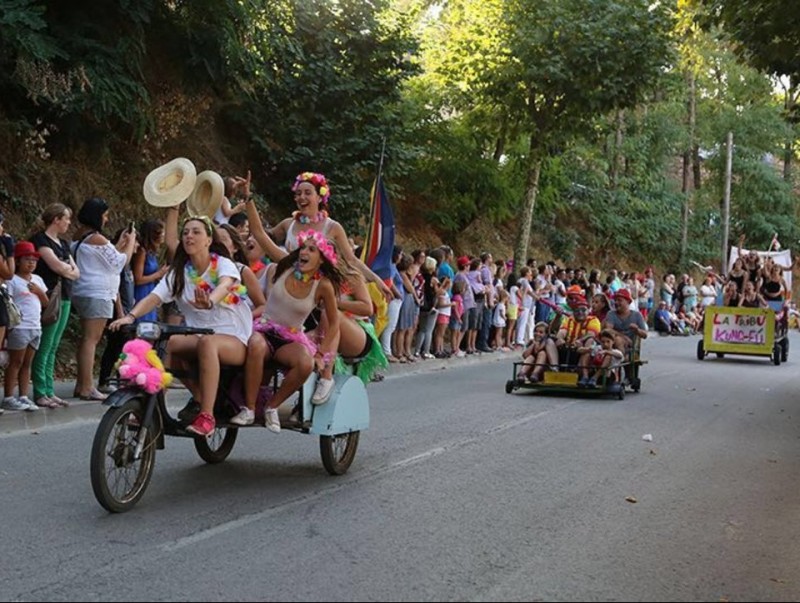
[[291, 237], [285, 309]]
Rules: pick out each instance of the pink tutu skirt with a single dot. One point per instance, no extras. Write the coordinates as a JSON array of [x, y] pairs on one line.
[[271, 328]]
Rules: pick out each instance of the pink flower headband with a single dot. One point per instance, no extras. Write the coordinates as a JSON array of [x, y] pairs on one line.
[[319, 182], [318, 239]]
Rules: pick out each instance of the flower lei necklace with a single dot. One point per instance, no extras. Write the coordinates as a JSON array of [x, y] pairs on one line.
[[235, 293], [304, 219], [304, 276]]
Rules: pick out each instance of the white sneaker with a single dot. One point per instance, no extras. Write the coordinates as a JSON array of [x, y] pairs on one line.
[[322, 391], [107, 389], [11, 403], [245, 417], [30, 405], [460, 354], [271, 420]]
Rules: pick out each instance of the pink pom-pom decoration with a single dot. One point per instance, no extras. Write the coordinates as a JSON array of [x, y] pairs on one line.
[[136, 366]]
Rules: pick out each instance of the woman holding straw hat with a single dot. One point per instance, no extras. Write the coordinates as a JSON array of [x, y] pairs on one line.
[[206, 286]]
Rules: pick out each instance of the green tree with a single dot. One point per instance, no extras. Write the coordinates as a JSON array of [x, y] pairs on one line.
[[548, 67]]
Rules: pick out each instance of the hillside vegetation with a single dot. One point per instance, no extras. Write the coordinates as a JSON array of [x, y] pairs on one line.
[[587, 130]]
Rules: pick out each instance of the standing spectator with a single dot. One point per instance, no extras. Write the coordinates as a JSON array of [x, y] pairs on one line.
[[29, 293], [7, 268], [445, 270], [226, 210], [467, 299], [444, 312], [145, 268], [115, 340], [55, 266], [93, 295], [499, 321], [512, 313], [650, 291], [408, 311], [527, 307], [427, 311], [387, 337], [457, 319], [487, 279], [475, 315]]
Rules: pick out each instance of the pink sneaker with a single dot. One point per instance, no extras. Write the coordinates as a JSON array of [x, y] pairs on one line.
[[203, 425]]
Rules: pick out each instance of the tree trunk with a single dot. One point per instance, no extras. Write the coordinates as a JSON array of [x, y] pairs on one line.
[[687, 195], [692, 129], [616, 160], [687, 168], [790, 93], [526, 221]]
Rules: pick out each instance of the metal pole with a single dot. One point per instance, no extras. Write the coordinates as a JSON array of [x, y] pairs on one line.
[[726, 202]]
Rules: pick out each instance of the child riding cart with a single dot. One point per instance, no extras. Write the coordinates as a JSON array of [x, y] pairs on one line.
[[604, 371]]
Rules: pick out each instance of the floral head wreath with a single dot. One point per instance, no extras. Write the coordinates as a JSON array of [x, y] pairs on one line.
[[319, 182], [209, 225], [318, 239]]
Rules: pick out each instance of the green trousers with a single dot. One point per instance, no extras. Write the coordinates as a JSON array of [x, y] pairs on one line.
[[44, 363]]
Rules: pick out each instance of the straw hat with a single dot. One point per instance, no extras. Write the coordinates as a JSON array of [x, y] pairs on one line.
[[171, 183], [207, 195]]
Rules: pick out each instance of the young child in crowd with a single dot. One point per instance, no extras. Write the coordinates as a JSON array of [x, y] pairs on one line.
[[512, 313], [499, 321], [30, 294], [457, 319], [444, 309], [540, 353]]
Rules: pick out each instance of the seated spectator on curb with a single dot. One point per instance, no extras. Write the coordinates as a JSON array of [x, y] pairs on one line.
[[663, 319]]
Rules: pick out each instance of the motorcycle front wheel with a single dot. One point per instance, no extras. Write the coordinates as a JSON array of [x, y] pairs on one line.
[[119, 479]]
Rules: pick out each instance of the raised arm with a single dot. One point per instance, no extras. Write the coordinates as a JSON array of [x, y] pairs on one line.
[[275, 253], [171, 236]]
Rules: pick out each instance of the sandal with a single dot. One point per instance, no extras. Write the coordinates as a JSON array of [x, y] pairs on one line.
[[45, 402], [59, 401], [92, 396]]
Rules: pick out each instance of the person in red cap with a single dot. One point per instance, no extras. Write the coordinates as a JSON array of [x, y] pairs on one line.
[[574, 330], [627, 323], [29, 293]]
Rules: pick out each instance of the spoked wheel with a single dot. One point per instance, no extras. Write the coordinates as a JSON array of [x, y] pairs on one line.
[[215, 448], [338, 451], [118, 478]]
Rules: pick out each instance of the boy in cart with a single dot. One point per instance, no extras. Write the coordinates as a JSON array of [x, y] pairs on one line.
[[598, 357]]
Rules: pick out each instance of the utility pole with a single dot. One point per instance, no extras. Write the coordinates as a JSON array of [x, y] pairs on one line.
[[726, 202]]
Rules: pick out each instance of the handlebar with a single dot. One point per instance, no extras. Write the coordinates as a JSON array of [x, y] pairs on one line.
[[167, 330]]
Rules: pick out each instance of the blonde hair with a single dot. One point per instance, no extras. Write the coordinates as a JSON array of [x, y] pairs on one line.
[[49, 215]]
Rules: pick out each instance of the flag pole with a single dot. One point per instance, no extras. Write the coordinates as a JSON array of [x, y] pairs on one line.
[[380, 161]]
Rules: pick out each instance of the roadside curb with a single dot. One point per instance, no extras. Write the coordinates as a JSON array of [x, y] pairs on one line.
[[21, 422]]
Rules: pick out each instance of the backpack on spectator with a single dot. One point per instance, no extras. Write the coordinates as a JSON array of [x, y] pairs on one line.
[[11, 308]]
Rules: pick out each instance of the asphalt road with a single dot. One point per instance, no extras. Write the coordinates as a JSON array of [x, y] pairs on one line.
[[458, 492]]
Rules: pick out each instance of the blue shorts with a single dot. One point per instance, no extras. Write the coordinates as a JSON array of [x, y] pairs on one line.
[[455, 324]]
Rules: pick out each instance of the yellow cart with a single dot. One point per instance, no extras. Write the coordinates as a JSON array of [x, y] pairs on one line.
[[745, 331]]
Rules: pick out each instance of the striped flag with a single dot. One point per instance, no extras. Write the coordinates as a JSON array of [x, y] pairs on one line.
[[379, 243]]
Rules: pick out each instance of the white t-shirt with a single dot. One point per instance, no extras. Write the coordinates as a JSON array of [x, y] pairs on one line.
[[28, 304], [224, 318], [708, 294]]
